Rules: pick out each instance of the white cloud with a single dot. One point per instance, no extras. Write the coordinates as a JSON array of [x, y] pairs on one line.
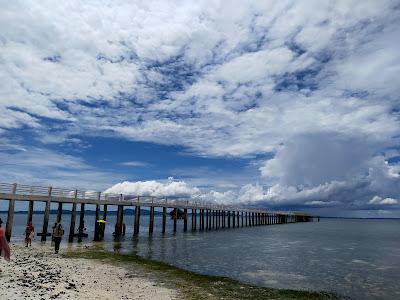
[[314, 83], [381, 201], [154, 188], [139, 164]]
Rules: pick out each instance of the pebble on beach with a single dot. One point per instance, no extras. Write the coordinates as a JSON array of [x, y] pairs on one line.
[[37, 273]]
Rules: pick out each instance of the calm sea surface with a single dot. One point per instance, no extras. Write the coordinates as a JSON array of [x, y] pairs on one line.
[[355, 258]]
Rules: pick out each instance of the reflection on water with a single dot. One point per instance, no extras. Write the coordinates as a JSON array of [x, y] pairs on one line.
[[357, 258]]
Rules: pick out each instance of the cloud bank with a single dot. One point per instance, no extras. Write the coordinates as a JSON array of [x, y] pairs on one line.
[[313, 84]]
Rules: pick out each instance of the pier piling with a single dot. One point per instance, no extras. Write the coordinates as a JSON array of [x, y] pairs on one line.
[[185, 219], [164, 219], [137, 220], [151, 220], [73, 217], [30, 212], [120, 221], [59, 212], [46, 217], [81, 222], [175, 218]]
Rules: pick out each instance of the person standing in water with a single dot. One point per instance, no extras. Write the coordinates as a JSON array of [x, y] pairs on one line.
[[58, 232], [29, 232]]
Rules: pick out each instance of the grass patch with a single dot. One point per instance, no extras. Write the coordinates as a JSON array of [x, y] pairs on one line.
[[193, 285]]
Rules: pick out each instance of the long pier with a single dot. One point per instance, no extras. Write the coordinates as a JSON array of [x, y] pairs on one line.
[[210, 216]]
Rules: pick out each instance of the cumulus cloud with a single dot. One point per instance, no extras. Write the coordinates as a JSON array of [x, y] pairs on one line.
[[312, 83], [381, 201], [154, 188]]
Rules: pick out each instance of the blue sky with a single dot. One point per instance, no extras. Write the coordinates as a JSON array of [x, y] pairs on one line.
[[290, 105]]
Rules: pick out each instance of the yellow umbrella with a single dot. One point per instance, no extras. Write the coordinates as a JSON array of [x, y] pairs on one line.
[[101, 221]]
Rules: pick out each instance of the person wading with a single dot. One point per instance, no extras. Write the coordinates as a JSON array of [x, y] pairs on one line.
[[58, 232], [29, 233]]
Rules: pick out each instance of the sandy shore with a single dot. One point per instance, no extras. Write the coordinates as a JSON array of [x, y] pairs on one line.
[[37, 273], [88, 272]]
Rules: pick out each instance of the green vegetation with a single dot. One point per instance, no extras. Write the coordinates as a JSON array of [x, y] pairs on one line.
[[192, 285]]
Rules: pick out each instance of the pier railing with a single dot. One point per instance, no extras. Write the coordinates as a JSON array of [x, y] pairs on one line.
[[55, 194]]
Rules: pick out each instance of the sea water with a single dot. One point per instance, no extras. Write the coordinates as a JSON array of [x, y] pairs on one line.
[[352, 257]]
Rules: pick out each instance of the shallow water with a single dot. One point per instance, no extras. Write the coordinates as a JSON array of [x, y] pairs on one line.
[[356, 258]]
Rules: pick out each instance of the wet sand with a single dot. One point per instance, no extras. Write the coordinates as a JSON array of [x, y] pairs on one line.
[[37, 273]]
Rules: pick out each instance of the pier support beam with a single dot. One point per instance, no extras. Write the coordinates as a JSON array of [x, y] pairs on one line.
[[96, 224], [151, 220], [45, 221], [30, 212], [59, 212], [242, 219], [96, 218], [193, 219], [10, 214], [137, 220], [10, 219], [81, 222], [46, 217], [185, 220], [207, 219], [73, 217], [164, 219], [119, 222], [175, 218], [202, 219], [105, 212]]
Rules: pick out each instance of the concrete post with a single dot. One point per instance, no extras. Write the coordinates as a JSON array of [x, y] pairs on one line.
[[175, 218], [59, 212], [164, 219], [137, 220], [151, 220], [120, 221], [207, 219], [81, 222], [30, 212], [185, 220], [10, 214], [73, 217], [46, 216], [195, 219], [96, 218]]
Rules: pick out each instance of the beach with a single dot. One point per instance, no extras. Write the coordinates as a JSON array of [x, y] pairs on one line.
[[88, 272], [37, 273]]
